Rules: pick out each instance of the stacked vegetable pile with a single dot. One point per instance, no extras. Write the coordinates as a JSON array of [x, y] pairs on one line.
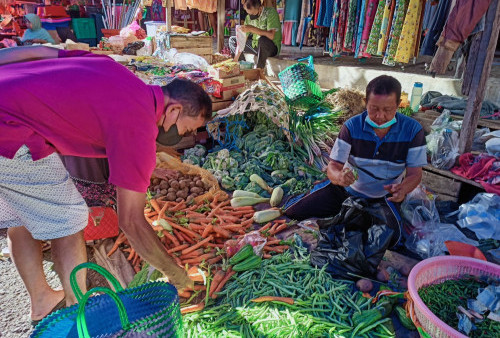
[[179, 187], [286, 297], [264, 151]]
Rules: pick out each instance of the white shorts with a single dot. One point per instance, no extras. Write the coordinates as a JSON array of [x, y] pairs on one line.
[[40, 196]]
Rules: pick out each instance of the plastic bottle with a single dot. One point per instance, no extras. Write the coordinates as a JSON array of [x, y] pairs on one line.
[[416, 96]]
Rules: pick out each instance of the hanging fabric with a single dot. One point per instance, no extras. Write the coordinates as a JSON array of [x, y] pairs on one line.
[[180, 5], [385, 30], [397, 26], [361, 25], [343, 13], [305, 15], [435, 27], [372, 46], [334, 26], [291, 21], [371, 10], [317, 6], [359, 13], [349, 29], [325, 13], [409, 33]]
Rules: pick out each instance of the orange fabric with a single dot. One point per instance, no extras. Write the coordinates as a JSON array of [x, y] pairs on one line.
[[207, 6]]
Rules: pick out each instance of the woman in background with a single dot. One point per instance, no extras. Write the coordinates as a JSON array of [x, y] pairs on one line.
[[35, 33]]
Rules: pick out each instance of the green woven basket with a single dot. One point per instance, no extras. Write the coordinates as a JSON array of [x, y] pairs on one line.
[[300, 84]]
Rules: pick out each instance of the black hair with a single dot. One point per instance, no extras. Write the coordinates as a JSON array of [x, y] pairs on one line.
[[252, 4], [195, 101], [384, 85]]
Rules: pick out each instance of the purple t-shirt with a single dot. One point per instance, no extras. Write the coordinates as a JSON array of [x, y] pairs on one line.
[[84, 105]]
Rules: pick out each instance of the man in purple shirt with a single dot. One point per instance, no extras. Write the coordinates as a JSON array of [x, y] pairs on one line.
[[80, 104]]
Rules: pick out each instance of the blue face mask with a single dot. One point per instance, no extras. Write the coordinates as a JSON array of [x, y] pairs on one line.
[[380, 126]]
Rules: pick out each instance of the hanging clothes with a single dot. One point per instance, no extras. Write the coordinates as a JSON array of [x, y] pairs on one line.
[[207, 6], [306, 13], [334, 26], [371, 10], [291, 21], [409, 33], [359, 12], [397, 26], [324, 13], [372, 45], [316, 13], [180, 5], [385, 30], [435, 27], [343, 14], [350, 25], [462, 19]]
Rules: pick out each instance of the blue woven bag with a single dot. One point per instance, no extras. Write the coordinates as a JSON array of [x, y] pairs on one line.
[[151, 309]]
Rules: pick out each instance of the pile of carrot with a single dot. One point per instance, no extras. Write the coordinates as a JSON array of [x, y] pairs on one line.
[[195, 235]]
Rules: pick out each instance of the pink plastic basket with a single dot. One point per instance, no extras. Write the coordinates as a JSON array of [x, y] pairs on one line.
[[436, 270]]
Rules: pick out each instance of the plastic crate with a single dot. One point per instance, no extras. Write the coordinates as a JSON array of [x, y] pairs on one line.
[[152, 27], [84, 28], [52, 26]]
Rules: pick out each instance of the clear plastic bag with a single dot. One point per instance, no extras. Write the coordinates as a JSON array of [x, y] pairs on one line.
[[482, 216], [428, 240], [419, 207], [254, 238], [442, 142]]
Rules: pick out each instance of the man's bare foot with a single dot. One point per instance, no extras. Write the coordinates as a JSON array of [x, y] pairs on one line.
[[42, 307]]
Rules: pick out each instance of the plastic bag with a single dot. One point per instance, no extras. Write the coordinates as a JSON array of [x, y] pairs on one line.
[[241, 40], [428, 240], [254, 238], [482, 216], [442, 142], [419, 207], [354, 241]]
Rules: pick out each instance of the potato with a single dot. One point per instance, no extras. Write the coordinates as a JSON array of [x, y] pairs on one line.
[[196, 190], [164, 185], [156, 181], [383, 275], [163, 191], [200, 184], [172, 190], [192, 184], [181, 194], [171, 196], [156, 187], [364, 285], [190, 198], [179, 199], [174, 184]]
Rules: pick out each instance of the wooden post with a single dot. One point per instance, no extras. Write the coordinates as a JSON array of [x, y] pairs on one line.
[[481, 73], [168, 16], [221, 19]]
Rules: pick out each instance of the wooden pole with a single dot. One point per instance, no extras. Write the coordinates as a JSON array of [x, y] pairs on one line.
[[221, 18], [481, 73], [168, 16]]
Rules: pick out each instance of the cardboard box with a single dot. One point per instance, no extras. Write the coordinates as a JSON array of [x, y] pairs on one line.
[[232, 81], [230, 92], [220, 73]]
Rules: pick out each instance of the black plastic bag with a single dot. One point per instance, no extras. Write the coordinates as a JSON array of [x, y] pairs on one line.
[[354, 241]]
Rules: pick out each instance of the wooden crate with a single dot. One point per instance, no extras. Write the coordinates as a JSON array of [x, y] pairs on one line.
[[199, 45]]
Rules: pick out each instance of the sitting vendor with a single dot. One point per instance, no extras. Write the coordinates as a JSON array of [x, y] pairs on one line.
[[35, 33], [263, 29], [378, 155]]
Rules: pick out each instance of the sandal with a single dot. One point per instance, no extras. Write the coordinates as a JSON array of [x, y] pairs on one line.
[[60, 305]]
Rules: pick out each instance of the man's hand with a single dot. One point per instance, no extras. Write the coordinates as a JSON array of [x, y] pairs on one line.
[[247, 28], [144, 240], [339, 175], [398, 192]]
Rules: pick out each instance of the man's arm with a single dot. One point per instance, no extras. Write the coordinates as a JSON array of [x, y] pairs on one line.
[[339, 175], [144, 240], [410, 182], [27, 53], [261, 32]]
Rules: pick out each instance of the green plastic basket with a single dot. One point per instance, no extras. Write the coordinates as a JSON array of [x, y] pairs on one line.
[[300, 84]]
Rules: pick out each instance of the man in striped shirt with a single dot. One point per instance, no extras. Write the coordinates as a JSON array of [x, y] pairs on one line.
[[378, 155]]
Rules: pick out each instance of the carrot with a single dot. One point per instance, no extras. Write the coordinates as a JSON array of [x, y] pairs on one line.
[[273, 228], [193, 308], [229, 274], [137, 268], [273, 242], [266, 256], [215, 245], [155, 205], [162, 211], [214, 260], [193, 254], [265, 227], [279, 249], [249, 215], [280, 221], [171, 237], [185, 294], [135, 261], [119, 240], [286, 300], [186, 238], [131, 256], [247, 208], [228, 218], [279, 229], [178, 236], [186, 231], [231, 226], [149, 220], [219, 276], [179, 206], [214, 202], [224, 233], [146, 210], [199, 259], [151, 214], [196, 246], [178, 248], [177, 260], [248, 222], [196, 227], [208, 229], [196, 274]]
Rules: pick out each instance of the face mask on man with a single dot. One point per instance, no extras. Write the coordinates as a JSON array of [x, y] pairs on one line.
[[380, 126], [170, 137]]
